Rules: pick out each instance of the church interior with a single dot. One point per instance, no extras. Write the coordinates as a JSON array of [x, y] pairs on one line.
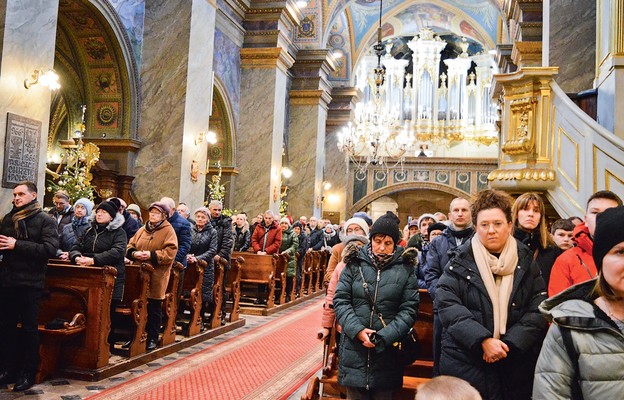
[[317, 108]]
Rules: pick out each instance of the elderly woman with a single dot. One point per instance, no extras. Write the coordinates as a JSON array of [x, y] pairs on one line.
[[530, 228], [204, 246], [155, 243], [376, 278], [79, 224], [487, 299], [584, 349], [289, 246]]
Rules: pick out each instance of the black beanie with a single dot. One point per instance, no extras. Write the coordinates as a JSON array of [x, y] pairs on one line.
[[109, 207], [387, 224], [608, 233]]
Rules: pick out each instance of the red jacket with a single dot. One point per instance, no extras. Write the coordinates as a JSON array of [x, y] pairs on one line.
[[273, 238], [575, 265]]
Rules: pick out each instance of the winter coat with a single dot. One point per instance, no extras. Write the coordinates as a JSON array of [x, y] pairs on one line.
[[182, 228], [71, 233], [225, 238], [268, 239], [327, 240], [204, 246], [395, 291], [334, 259], [242, 237], [545, 258], [107, 246], [575, 265], [441, 250], [162, 244], [466, 314], [290, 243], [65, 218], [131, 226], [304, 245], [26, 264], [597, 341], [316, 237]]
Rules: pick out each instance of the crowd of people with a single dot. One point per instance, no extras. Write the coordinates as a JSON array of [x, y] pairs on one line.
[[496, 272]]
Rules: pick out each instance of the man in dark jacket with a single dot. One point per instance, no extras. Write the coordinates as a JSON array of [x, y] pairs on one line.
[[62, 212], [223, 226], [28, 238], [316, 233], [442, 249], [131, 225], [182, 228]]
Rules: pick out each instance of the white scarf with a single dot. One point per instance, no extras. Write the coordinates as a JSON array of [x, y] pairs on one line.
[[497, 275]]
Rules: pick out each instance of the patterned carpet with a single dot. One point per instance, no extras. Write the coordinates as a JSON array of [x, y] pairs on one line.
[[268, 362]]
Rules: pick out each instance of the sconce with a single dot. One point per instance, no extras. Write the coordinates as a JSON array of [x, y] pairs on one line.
[[209, 137], [327, 185], [46, 77], [286, 172]]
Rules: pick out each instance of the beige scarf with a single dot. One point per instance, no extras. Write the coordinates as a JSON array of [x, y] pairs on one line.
[[497, 274]]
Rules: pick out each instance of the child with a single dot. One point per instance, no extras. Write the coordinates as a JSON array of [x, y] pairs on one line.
[[561, 231]]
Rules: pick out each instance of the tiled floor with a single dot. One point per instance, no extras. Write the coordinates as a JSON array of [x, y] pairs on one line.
[[68, 389]]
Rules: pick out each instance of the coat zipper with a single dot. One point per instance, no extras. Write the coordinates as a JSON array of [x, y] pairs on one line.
[[368, 355]]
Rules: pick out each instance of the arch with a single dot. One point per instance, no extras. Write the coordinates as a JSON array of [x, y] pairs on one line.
[[401, 187], [222, 123]]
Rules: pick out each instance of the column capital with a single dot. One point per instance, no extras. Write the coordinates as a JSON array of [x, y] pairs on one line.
[[312, 68], [342, 105], [274, 57], [527, 54], [310, 97]]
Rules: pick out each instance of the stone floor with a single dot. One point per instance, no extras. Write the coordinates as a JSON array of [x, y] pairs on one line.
[[68, 389]]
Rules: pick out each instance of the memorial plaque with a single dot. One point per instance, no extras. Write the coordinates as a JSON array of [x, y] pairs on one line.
[[21, 150]]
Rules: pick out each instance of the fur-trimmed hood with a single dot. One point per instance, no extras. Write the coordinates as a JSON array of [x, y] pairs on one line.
[[117, 222]]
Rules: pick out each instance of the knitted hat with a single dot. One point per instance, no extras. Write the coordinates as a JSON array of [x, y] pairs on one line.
[[420, 219], [286, 220], [297, 224], [608, 233], [414, 222], [204, 210], [109, 207], [86, 203], [438, 226], [365, 217], [162, 207], [115, 201], [355, 238], [134, 208], [357, 221], [387, 224]]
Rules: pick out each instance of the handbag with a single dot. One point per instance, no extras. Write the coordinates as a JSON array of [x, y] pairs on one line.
[[408, 348]]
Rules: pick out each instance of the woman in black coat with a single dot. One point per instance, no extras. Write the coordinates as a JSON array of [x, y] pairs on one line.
[[488, 298], [368, 360], [204, 245]]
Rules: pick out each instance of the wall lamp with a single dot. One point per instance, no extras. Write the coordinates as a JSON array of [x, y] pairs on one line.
[[46, 77], [286, 172], [210, 137], [327, 185]]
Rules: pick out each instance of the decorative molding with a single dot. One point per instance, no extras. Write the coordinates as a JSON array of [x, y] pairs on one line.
[[273, 57], [131, 145], [310, 97]]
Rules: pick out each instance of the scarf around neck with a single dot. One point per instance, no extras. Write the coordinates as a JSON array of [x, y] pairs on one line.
[[19, 215], [379, 260], [152, 227], [497, 275]]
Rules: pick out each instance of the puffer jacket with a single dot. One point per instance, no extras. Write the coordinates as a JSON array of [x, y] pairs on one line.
[[71, 233], [466, 313], [204, 246], [182, 228], [597, 341], [162, 244], [316, 237], [61, 218], [575, 265], [225, 237], [27, 263], [107, 246], [290, 243], [395, 291], [267, 239], [242, 237]]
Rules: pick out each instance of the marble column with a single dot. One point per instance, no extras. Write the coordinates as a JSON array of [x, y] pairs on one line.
[[610, 65], [309, 98], [340, 196], [176, 82], [28, 42], [260, 138]]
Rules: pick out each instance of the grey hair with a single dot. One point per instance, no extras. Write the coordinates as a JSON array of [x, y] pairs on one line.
[[270, 213], [215, 203], [169, 202]]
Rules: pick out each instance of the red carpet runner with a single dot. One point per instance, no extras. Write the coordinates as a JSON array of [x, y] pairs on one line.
[[268, 362]]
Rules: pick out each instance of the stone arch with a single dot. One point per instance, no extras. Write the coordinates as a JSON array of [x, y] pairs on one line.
[[222, 122], [400, 187]]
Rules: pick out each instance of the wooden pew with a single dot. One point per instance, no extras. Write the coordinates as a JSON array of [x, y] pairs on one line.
[[261, 269], [81, 295], [306, 279], [281, 280], [414, 375], [232, 285], [192, 284], [217, 293], [315, 270], [170, 305], [134, 305], [322, 268]]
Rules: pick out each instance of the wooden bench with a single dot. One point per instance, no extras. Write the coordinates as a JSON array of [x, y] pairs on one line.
[[232, 286], [414, 375], [192, 284], [170, 305], [315, 269], [322, 268], [306, 274], [217, 293], [260, 270], [81, 296], [281, 278], [134, 306]]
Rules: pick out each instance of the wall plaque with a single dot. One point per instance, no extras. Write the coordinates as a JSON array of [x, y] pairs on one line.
[[21, 150]]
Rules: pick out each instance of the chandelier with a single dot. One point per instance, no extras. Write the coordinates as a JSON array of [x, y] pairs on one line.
[[404, 112]]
